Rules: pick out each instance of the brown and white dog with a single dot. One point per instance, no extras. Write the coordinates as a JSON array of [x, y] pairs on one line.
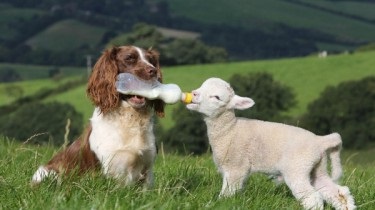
[[119, 138]]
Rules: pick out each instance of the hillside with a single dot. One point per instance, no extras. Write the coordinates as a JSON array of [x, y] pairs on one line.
[[67, 34], [348, 21], [306, 76], [60, 33], [9, 14]]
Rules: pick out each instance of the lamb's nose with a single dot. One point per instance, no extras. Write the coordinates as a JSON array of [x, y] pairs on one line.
[[195, 93]]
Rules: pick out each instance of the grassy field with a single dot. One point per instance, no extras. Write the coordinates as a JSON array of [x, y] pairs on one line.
[[28, 87], [346, 20], [257, 14], [357, 8], [9, 14], [181, 182], [306, 76], [32, 72], [67, 35]]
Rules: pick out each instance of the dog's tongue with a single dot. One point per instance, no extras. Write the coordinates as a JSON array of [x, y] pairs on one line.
[[137, 99]]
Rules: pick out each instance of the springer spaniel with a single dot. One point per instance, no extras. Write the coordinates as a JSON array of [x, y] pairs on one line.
[[119, 138]]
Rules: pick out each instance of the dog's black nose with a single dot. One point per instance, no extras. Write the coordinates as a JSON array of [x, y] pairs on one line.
[[152, 71]]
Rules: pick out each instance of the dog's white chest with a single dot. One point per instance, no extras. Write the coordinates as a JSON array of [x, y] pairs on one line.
[[122, 141]]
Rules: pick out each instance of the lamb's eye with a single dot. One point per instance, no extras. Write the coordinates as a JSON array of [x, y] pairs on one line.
[[217, 97]]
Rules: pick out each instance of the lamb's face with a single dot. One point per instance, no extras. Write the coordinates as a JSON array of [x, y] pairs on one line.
[[215, 96]]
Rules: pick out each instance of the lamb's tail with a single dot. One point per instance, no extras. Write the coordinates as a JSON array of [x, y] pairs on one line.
[[332, 144]]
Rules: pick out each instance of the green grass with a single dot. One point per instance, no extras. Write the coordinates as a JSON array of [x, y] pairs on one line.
[[67, 35], [260, 13], [181, 182]]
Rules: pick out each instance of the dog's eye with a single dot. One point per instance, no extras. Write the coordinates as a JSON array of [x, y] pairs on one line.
[[152, 60], [130, 58]]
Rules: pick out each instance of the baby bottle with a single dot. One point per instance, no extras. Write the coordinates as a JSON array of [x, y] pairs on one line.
[[130, 84]]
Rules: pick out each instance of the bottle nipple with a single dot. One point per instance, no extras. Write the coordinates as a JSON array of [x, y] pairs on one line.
[[187, 98]]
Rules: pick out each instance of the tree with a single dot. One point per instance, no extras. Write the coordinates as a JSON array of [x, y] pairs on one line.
[[189, 134], [189, 51], [347, 109], [173, 51], [272, 99], [142, 35], [42, 122]]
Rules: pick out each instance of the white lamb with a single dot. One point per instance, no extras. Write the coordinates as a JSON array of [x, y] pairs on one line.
[[242, 146]]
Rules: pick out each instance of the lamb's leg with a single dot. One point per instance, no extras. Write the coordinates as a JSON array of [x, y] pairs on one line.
[[336, 195], [299, 184], [232, 182]]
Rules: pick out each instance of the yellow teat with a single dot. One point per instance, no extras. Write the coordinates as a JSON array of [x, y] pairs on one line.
[[188, 98]]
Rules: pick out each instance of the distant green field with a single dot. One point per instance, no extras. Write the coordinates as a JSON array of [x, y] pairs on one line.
[[67, 35], [357, 8], [34, 78], [308, 77], [27, 87], [77, 98], [30, 72], [258, 13], [8, 14]]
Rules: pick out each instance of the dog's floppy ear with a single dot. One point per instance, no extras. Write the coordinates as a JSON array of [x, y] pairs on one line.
[[157, 104], [159, 107], [101, 87]]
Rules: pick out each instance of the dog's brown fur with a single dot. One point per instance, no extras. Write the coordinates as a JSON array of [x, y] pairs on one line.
[[101, 90]]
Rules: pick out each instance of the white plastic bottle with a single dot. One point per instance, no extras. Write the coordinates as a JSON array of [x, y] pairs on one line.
[[170, 93]]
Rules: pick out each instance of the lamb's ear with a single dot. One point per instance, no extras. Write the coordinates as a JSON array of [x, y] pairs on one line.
[[241, 103]]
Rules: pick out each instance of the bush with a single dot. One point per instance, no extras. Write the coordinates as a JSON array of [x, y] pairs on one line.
[[42, 123], [189, 51], [173, 51], [188, 135], [348, 109], [271, 97], [8, 74]]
